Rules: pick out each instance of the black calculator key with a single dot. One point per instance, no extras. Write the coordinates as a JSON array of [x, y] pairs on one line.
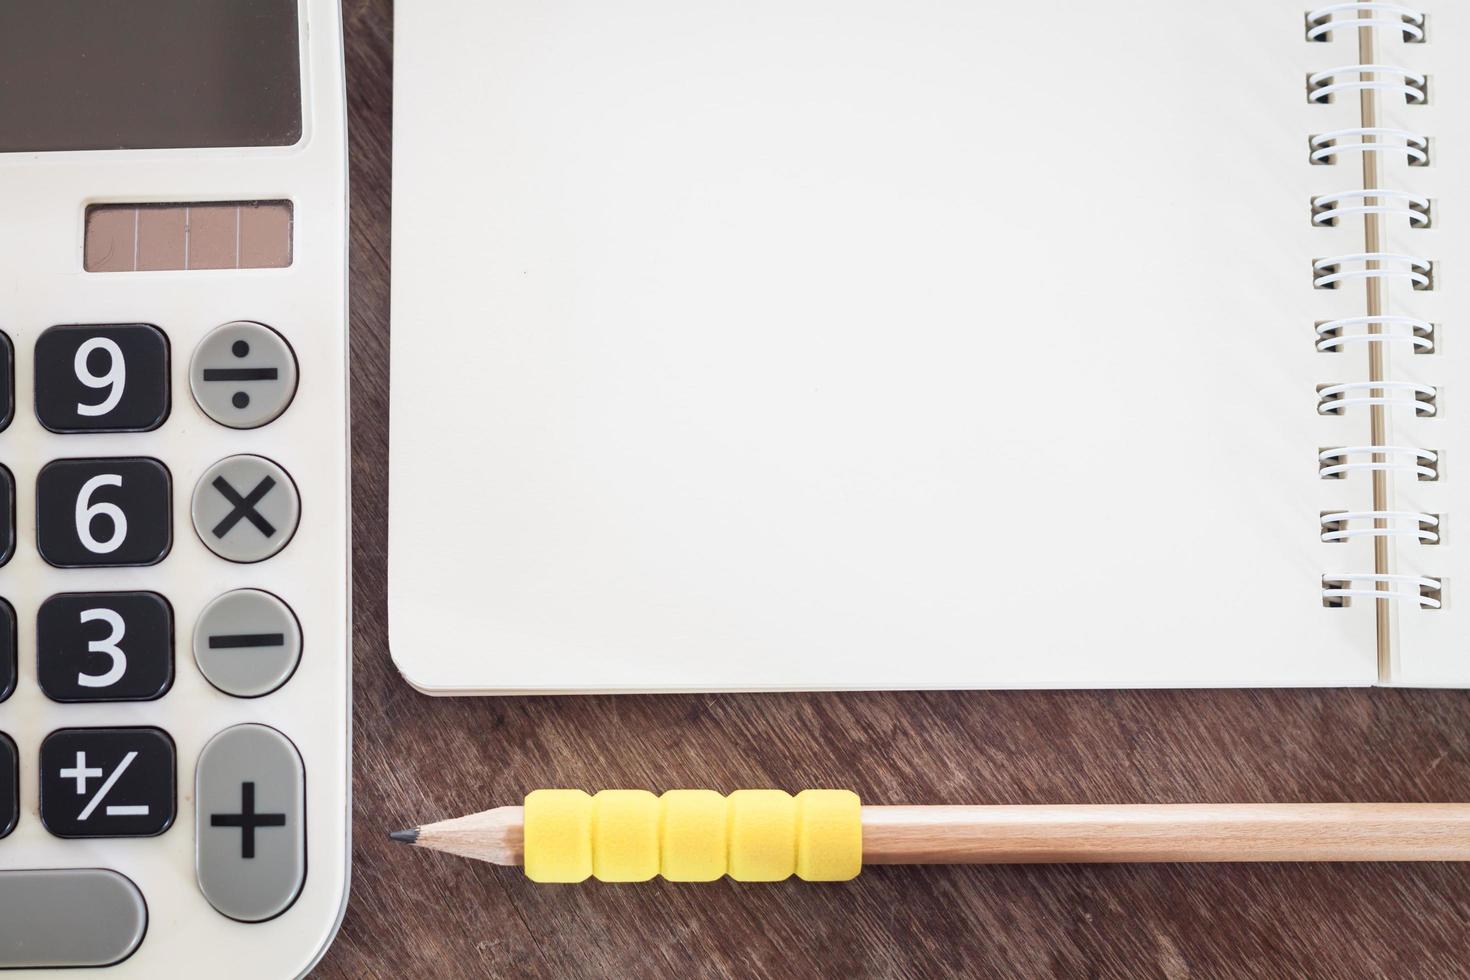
[[9, 785], [105, 646], [7, 382], [8, 646], [102, 378], [107, 782], [7, 515], [103, 512]]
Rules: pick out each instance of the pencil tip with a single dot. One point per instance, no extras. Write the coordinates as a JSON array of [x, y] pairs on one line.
[[410, 836]]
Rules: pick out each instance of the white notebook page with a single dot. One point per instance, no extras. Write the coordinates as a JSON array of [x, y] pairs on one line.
[[863, 344]]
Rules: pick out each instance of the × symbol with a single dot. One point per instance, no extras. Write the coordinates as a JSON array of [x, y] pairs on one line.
[[247, 820], [81, 774], [243, 508], [241, 349]]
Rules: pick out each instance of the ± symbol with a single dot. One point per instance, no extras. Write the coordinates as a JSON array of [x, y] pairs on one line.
[[81, 774], [241, 349]]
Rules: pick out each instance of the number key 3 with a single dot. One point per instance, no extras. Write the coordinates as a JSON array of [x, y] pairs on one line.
[[103, 512], [105, 646], [110, 378]]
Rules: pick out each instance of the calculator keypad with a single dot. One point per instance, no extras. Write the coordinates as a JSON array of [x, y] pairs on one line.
[[118, 646], [107, 782], [102, 378], [103, 512], [105, 646]]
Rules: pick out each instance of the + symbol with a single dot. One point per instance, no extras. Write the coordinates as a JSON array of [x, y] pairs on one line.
[[247, 820], [81, 773]]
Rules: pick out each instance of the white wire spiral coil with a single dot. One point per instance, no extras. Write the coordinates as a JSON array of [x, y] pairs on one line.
[[1327, 208], [1328, 272], [1335, 399], [1332, 335], [1426, 591], [1323, 21], [1326, 146], [1378, 270], [1425, 527], [1413, 86], [1337, 463]]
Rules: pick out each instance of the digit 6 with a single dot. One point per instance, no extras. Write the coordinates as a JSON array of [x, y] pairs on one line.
[[86, 512]]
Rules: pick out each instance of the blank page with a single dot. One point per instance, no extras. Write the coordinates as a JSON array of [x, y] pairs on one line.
[[795, 344]]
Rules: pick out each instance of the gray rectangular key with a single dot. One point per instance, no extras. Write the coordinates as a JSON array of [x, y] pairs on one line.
[[70, 917]]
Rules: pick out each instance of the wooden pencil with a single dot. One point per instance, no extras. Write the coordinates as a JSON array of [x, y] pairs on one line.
[[1082, 833]]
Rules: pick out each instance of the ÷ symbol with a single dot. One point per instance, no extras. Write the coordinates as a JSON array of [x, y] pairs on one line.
[[240, 349]]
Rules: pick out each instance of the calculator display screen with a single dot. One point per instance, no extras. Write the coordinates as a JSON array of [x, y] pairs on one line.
[[148, 74]]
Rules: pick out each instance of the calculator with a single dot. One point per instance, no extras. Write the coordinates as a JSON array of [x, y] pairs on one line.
[[175, 649]]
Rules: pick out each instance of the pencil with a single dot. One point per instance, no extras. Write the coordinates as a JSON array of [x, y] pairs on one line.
[[1011, 834]]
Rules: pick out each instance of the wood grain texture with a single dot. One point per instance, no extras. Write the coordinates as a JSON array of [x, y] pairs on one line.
[[416, 914]]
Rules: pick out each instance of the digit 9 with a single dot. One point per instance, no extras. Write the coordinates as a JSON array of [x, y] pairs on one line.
[[114, 379]]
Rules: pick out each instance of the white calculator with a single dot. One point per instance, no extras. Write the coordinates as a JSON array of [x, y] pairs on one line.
[[175, 650]]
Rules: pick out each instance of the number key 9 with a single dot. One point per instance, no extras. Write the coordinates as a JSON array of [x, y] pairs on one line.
[[107, 378]]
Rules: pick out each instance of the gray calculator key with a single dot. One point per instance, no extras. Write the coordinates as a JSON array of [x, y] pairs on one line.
[[245, 508], [73, 917], [243, 375], [247, 643], [250, 850]]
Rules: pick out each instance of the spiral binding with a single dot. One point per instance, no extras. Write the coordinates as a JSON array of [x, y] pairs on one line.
[[1337, 525], [1335, 464], [1322, 86], [1334, 399], [1328, 272], [1322, 22], [1326, 146], [1333, 335], [1338, 588], [1327, 208], [1387, 268]]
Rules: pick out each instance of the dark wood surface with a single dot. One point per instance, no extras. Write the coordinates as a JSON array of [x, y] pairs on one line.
[[415, 914]]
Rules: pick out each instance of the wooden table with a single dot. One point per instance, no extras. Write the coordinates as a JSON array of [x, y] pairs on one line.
[[423, 915]]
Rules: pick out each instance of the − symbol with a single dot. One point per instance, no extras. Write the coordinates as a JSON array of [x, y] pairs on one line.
[[247, 820], [242, 641], [82, 773], [243, 508], [241, 349]]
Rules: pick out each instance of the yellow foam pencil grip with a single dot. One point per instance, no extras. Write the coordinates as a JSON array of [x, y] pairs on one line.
[[692, 835]]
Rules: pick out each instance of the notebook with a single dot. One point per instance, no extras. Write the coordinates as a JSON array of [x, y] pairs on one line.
[[877, 344]]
